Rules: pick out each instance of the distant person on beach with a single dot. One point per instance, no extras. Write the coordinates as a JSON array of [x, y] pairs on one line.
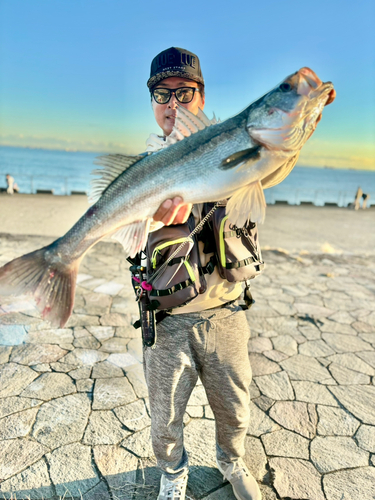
[[365, 198], [357, 198], [11, 185]]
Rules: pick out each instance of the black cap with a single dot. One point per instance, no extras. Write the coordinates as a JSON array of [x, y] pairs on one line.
[[175, 62]]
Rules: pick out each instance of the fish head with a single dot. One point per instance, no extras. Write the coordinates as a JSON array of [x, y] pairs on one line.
[[285, 117]]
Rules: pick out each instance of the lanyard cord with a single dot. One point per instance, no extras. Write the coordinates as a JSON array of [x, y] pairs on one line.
[[163, 267]]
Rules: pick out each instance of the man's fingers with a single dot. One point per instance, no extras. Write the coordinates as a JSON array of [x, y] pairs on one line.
[[331, 97], [183, 214], [173, 211], [162, 211], [170, 215]]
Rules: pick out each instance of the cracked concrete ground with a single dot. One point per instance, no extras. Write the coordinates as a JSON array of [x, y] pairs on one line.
[[74, 417]]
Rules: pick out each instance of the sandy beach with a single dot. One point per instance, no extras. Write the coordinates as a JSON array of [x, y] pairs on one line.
[[293, 228], [74, 414]]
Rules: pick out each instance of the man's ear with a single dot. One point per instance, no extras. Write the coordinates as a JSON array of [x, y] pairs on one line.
[[203, 102]]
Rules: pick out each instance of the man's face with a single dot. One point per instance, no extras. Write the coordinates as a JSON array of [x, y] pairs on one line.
[[165, 114]]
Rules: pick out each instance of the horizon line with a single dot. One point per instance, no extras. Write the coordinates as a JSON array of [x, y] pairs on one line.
[[73, 150]]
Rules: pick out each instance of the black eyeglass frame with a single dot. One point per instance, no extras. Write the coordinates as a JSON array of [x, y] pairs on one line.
[[173, 91]]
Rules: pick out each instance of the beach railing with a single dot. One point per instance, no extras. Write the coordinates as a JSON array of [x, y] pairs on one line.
[[53, 184], [317, 197], [64, 185]]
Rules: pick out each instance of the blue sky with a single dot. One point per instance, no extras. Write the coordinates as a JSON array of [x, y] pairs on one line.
[[73, 72]]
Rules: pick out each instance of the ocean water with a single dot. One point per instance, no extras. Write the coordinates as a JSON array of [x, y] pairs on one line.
[[66, 172], [41, 169], [323, 185]]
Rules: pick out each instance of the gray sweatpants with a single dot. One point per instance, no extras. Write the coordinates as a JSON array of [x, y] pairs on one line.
[[210, 344]]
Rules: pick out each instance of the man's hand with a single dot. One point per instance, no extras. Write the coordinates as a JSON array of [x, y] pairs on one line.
[[331, 98], [173, 211]]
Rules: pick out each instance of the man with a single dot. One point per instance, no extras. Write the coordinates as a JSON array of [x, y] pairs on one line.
[[208, 337]]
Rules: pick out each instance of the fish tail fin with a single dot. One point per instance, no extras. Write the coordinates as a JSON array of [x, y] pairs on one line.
[[43, 275]]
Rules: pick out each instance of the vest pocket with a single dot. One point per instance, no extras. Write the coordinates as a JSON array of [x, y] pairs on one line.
[[238, 252], [179, 283]]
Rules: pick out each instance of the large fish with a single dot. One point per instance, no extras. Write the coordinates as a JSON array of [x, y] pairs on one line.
[[233, 159]]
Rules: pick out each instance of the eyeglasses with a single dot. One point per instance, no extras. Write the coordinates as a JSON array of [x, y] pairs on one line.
[[183, 94]]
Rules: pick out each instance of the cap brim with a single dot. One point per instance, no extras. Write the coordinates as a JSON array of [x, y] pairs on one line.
[[154, 80]]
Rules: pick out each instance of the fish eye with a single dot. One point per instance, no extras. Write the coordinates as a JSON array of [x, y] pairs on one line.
[[285, 87]]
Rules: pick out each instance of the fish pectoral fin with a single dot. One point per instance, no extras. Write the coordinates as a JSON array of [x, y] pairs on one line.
[[113, 166], [248, 203], [186, 124], [247, 155], [133, 237], [281, 173]]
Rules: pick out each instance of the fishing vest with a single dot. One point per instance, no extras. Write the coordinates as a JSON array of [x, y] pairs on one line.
[[236, 254]]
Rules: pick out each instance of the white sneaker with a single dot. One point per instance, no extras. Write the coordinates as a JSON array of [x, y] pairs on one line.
[[243, 483], [172, 490]]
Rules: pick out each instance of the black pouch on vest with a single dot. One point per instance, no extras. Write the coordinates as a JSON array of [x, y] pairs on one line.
[[180, 282], [237, 249]]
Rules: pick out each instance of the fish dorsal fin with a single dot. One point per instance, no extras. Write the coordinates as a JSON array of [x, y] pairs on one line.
[[187, 123], [133, 237], [113, 166], [247, 203], [251, 154]]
